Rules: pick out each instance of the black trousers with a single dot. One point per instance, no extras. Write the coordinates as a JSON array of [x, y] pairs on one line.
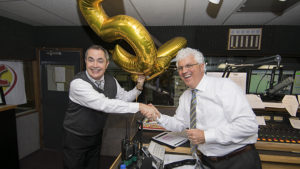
[[81, 152], [246, 160]]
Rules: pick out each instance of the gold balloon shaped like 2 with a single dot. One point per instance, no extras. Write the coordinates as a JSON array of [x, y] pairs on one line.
[[148, 61]]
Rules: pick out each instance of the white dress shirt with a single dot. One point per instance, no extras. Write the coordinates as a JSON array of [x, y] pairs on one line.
[[222, 111], [83, 93]]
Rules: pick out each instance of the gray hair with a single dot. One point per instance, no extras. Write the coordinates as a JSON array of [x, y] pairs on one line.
[[185, 52], [98, 47]]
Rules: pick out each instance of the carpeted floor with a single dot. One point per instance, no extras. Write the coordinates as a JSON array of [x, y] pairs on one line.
[[50, 159]]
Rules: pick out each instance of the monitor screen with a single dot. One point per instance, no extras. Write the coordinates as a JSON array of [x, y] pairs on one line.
[[260, 81], [296, 84], [240, 78], [288, 89]]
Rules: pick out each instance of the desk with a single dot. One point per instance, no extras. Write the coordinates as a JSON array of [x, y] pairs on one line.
[[9, 144], [272, 155], [279, 155]]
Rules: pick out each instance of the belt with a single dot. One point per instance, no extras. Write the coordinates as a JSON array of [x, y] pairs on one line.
[[228, 156]]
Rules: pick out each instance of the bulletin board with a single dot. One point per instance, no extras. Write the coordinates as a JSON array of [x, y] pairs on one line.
[[59, 77], [244, 39]]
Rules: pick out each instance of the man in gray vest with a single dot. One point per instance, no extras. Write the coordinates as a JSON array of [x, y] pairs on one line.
[[92, 95]]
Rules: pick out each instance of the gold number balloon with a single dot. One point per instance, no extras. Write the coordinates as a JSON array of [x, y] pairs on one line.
[[148, 60]]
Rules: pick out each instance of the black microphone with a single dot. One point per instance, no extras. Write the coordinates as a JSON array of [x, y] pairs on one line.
[[281, 85], [156, 89]]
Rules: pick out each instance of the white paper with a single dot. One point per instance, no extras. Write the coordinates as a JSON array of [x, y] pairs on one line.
[[60, 74], [298, 99], [255, 101], [295, 122], [157, 150], [60, 86], [260, 120], [291, 104]]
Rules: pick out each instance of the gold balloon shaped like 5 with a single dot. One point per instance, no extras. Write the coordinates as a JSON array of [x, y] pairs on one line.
[[148, 60]]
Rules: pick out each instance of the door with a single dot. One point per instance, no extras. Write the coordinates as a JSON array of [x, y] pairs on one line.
[[57, 69]]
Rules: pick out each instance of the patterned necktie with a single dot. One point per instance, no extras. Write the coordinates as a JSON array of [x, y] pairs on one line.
[[193, 118], [193, 121], [99, 84]]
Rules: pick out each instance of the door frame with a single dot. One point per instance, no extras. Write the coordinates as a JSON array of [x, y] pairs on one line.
[[38, 101]]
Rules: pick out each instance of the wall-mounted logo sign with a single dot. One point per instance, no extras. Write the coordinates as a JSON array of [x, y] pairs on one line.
[[12, 82], [244, 39], [8, 78], [3, 82]]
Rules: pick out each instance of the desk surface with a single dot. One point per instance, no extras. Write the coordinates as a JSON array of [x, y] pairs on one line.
[[281, 155], [7, 107]]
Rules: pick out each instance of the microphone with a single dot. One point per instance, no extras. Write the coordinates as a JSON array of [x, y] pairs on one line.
[[281, 85], [156, 89], [278, 59]]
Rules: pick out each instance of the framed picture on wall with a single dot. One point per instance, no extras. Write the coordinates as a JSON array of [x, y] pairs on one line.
[[2, 98], [244, 39]]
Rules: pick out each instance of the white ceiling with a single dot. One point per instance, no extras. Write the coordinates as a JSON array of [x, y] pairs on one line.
[[149, 12]]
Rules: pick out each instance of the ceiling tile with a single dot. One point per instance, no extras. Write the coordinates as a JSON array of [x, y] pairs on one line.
[[67, 10], [10, 0], [19, 18], [205, 13], [250, 18], [149, 12], [24, 9], [160, 12], [131, 11], [275, 6], [290, 17]]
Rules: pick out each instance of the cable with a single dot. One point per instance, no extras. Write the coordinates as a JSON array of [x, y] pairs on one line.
[[262, 79]]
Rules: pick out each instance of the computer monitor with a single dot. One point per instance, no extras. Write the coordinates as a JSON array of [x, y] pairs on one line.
[[287, 89], [240, 78], [296, 84], [260, 81]]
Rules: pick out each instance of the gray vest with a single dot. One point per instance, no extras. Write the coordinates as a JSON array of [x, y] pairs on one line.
[[84, 121]]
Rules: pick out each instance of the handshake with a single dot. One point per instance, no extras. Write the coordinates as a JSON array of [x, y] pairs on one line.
[[149, 111]]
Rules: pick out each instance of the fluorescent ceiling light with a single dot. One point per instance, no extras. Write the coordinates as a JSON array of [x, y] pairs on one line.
[[214, 1]]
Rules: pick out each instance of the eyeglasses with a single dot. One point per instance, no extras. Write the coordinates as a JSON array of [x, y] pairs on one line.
[[188, 66]]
